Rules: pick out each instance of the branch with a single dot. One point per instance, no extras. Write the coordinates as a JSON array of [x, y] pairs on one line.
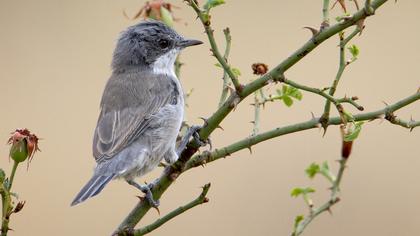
[[207, 157], [397, 121], [225, 88], [342, 66], [325, 14], [205, 20], [320, 92], [172, 172], [199, 200]]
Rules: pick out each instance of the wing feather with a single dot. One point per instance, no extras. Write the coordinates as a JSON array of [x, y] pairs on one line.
[[128, 105]]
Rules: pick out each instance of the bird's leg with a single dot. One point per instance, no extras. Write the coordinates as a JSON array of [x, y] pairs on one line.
[[146, 189], [192, 132]]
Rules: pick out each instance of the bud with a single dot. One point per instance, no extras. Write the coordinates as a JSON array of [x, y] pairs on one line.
[[19, 150], [346, 149], [19, 206], [24, 145], [259, 68]]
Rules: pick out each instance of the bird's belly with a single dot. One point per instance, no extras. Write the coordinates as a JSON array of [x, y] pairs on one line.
[[156, 141]]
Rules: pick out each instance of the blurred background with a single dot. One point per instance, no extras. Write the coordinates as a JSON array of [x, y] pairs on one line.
[[54, 63]]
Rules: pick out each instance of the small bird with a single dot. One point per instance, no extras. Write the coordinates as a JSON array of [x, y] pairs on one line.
[[142, 108]]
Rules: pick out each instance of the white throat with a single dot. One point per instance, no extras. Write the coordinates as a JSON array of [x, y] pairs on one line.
[[165, 63]]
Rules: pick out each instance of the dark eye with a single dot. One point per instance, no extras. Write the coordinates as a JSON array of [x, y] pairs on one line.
[[163, 43]]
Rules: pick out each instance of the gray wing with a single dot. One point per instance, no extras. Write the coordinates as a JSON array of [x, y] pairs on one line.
[[128, 104]]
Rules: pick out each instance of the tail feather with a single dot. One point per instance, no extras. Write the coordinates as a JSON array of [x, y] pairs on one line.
[[92, 188]]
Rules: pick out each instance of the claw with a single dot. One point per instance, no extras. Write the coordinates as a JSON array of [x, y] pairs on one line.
[[146, 189]]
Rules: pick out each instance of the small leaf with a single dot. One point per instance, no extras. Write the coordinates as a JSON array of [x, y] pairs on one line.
[[354, 132], [298, 191], [295, 93], [348, 116], [354, 50], [284, 89], [287, 101], [218, 65], [312, 170], [166, 16], [236, 72], [213, 3], [325, 171], [298, 219]]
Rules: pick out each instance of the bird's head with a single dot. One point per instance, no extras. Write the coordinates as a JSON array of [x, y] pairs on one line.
[[149, 43]]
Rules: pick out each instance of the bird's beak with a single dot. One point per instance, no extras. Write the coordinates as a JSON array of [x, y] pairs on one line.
[[189, 42]]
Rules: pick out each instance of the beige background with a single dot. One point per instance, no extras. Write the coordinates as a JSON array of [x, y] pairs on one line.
[[54, 62]]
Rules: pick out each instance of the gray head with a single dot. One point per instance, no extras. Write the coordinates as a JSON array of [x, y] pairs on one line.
[[148, 43]]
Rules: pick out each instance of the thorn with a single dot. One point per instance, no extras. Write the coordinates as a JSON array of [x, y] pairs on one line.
[[361, 25], [157, 209], [206, 199], [313, 115], [329, 211], [325, 131], [342, 4], [250, 149], [220, 127], [204, 120], [313, 30]]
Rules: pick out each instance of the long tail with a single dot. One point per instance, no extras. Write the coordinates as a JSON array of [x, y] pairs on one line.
[[92, 188]]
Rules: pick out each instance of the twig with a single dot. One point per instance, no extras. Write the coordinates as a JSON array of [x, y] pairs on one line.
[[6, 208], [320, 92], [205, 20], [327, 205], [325, 14], [225, 88], [207, 157], [341, 68], [199, 200], [257, 111], [397, 121]]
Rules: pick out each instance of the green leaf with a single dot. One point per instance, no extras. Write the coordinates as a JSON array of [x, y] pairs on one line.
[[348, 116], [298, 191], [236, 72], [287, 100], [354, 50], [166, 16], [295, 93], [213, 3], [325, 171], [354, 132], [298, 219], [284, 89], [218, 65], [312, 170]]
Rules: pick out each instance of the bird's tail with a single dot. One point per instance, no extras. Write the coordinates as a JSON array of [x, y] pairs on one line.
[[92, 188]]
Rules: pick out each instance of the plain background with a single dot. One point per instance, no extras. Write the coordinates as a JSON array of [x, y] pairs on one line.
[[54, 62]]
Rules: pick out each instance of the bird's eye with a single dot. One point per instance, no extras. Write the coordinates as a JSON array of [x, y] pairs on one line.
[[163, 43]]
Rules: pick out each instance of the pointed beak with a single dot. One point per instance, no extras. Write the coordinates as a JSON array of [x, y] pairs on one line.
[[189, 42]]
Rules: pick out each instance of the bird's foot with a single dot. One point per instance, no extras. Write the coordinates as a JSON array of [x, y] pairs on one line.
[[193, 131], [147, 190]]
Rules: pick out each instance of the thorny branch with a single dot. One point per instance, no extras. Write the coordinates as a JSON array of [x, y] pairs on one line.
[[199, 200], [185, 162]]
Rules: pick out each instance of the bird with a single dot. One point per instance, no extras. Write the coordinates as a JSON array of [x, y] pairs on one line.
[[141, 109]]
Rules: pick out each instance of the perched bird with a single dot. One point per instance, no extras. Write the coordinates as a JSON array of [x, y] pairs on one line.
[[142, 108]]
